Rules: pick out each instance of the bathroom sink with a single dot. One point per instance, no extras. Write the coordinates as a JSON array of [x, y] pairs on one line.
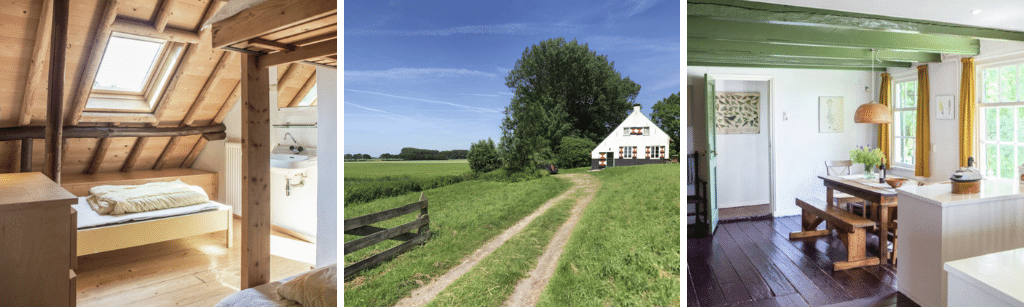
[[291, 161]]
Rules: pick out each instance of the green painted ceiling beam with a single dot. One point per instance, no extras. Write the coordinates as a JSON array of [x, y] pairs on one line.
[[719, 29], [775, 13], [712, 64], [762, 48], [783, 60]]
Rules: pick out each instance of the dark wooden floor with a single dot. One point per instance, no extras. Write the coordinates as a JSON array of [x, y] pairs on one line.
[[753, 263]]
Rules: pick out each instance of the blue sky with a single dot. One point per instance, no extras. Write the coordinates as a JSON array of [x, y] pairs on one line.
[[431, 75]]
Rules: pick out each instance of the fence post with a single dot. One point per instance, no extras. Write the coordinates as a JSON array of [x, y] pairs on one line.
[[425, 228]]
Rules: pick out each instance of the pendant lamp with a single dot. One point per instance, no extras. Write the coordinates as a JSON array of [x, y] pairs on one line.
[[872, 112]]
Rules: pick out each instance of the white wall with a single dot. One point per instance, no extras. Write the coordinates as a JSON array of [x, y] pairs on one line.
[[944, 79], [329, 120], [800, 151], [743, 158]]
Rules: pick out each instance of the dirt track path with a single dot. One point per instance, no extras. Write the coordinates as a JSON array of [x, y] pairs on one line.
[[425, 294], [528, 291]]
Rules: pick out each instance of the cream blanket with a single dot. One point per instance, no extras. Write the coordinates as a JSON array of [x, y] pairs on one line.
[[120, 199]]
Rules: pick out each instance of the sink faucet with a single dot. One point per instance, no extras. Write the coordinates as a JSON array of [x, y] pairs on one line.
[[294, 148]]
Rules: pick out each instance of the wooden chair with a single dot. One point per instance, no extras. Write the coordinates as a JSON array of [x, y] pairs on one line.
[[839, 168], [697, 201]]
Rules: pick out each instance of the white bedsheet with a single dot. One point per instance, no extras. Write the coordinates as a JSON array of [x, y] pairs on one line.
[[87, 218], [264, 295]]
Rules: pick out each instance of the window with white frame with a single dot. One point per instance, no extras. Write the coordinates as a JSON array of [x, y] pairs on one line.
[[904, 127], [1001, 124], [655, 151], [627, 152], [133, 73]]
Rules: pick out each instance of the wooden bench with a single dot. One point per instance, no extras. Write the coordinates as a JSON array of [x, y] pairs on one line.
[[850, 227]]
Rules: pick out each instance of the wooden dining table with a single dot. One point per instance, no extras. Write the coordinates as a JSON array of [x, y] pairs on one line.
[[885, 198]]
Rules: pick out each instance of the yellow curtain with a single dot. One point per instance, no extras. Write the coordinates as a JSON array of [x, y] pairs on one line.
[[923, 148], [884, 130], [968, 110]]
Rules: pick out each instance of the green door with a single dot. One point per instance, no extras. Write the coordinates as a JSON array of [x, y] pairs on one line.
[[710, 154]]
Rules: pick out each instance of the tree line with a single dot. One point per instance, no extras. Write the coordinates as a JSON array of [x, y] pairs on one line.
[[410, 153]]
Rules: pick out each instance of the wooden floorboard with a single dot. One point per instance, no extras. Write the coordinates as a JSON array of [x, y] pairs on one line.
[[195, 271], [753, 263]]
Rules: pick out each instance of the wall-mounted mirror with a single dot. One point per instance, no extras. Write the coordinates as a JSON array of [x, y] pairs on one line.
[[296, 85]]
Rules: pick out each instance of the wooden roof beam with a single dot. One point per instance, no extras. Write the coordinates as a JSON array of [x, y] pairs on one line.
[[324, 48], [55, 92], [99, 155], [147, 30], [192, 155], [283, 14], [267, 44], [133, 157], [172, 85], [228, 104], [36, 71], [92, 62], [166, 11], [215, 76], [770, 65], [720, 29], [168, 151], [745, 48], [776, 13], [306, 87], [72, 132]]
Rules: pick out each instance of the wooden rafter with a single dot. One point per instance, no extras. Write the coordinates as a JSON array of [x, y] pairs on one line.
[[36, 69], [92, 62], [218, 71], [186, 59], [268, 44], [133, 157], [324, 48], [194, 153], [145, 29], [55, 92], [256, 165], [106, 117], [168, 150], [166, 11], [308, 85], [254, 23], [99, 155], [228, 104]]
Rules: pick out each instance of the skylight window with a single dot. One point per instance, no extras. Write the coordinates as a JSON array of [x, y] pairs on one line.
[[310, 98], [127, 64], [133, 73]]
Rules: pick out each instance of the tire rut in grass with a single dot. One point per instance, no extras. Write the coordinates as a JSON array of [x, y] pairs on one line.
[[527, 291], [425, 294]]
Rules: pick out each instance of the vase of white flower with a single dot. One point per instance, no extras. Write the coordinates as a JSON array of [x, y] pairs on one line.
[[869, 157]]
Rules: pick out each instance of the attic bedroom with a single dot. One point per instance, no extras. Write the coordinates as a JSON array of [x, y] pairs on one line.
[[165, 152]]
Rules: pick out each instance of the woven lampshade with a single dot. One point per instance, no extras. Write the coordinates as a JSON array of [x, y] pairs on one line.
[[873, 113]]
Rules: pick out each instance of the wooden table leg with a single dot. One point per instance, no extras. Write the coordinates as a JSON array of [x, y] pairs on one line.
[[883, 233], [829, 198]]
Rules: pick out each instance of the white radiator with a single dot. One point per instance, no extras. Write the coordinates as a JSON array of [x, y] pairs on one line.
[[233, 175]]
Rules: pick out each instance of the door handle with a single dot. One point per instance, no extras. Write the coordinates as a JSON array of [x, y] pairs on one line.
[[712, 153]]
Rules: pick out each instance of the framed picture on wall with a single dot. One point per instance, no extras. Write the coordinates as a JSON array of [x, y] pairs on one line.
[[830, 114], [945, 108]]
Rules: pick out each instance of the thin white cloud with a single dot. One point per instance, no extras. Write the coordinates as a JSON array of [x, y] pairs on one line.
[[631, 43], [508, 28], [639, 6], [405, 72], [387, 113], [427, 100]]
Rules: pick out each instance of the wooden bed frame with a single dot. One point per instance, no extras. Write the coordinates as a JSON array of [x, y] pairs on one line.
[[267, 34], [114, 237]]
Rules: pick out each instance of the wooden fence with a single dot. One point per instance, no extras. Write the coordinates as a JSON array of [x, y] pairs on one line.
[[360, 226]]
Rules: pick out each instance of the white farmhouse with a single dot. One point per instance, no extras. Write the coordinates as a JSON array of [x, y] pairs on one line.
[[635, 141]]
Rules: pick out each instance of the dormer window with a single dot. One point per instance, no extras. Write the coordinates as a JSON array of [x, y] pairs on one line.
[[133, 73], [636, 131]]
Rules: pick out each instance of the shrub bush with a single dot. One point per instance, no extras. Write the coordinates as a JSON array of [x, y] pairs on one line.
[[483, 156], [575, 152]]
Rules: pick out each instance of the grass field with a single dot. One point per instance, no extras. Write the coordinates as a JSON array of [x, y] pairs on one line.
[[366, 181], [463, 217], [625, 249]]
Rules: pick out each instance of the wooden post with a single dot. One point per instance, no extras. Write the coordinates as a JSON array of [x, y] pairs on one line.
[[26, 155], [256, 163], [55, 94], [425, 228]]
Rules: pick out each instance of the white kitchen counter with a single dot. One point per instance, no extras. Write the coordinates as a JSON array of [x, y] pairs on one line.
[[988, 280], [937, 226]]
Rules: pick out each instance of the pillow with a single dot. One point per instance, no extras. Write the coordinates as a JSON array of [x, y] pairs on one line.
[[316, 288]]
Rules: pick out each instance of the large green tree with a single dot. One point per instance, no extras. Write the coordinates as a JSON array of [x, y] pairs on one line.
[[665, 114], [561, 89]]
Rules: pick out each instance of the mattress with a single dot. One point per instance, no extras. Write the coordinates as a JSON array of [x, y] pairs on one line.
[[87, 218], [264, 295]]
